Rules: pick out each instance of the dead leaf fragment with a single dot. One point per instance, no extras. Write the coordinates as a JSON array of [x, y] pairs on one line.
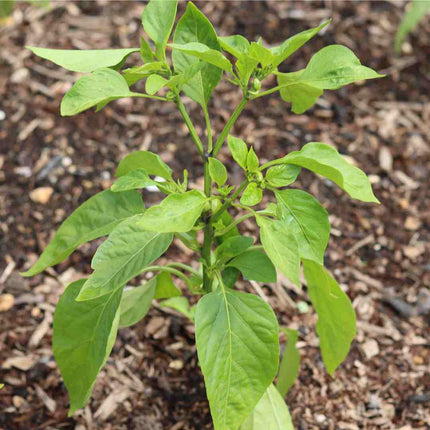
[[6, 302], [385, 159], [370, 349], [41, 194], [24, 363]]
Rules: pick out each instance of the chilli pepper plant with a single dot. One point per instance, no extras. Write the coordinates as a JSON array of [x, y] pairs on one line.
[[237, 333]]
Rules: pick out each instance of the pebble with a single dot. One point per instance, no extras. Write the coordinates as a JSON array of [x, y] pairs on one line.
[[2, 115], [41, 194], [6, 302], [370, 348]]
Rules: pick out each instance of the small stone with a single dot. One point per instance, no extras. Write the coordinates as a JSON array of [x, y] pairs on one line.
[[320, 418], [370, 348], [412, 223], [385, 159], [41, 194], [413, 252], [176, 364], [18, 401], [6, 302]]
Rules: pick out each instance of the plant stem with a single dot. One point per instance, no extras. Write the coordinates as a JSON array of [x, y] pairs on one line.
[[209, 129], [231, 121], [184, 267], [233, 224], [190, 126], [217, 215], [170, 270]]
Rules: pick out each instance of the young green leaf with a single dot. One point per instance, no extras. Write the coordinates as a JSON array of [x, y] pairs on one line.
[[262, 54], [329, 69], [236, 376], [217, 171], [326, 161], [252, 195], [232, 247], [135, 74], [95, 218], [290, 363], [84, 334], [271, 413], [99, 88], [154, 83], [336, 326], [84, 61], [281, 247], [255, 266], [125, 254], [132, 181], [308, 220], [226, 219], [136, 302], [204, 53], [283, 175], [292, 44], [195, 27], [157, 20], [147, 160], [238, 149], [165, 288], [146, 51], [235, 45], [417, 10], [176, 213], [252, 162], [177, 82], [245, 66], [181, 305]]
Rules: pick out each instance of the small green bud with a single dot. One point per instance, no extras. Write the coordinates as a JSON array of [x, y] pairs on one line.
[[256, 84], [170, 96]]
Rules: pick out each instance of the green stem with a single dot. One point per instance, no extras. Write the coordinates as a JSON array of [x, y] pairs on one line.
[[233, 224], [209, 129], [184, 267], [231, 121], [190, 126], [170, 270], [147, 96], [217, 215]]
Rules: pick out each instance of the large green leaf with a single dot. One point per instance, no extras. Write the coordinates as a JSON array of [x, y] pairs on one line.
[[84, 334], [271, 413], [181, 305], [203, 52], [157, 20], [417, 10], [326, 161], [95, 218], [133, 180], [330, 68], [281, 247], [232, 247], [255, 266], [84, 60], [128, 250], [195, 27], [176, 213], [290, 363], [294, 43], [336, 326], [235, 45], [308, 221], [147, 160], [238, 349], [165, 288], [136, 302], [99, 88]]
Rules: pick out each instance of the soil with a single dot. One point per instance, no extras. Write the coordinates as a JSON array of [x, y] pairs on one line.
[[379, 253]]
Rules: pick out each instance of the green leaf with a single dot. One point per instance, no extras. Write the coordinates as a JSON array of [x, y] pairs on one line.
[[136, 302], [245, 65], [204, 53], [292, 44], [154, 83], [101, 87], [271, 413], [329, 69], [177, 82], [283, 175], [95, 218], [146, 51], [252, 195], [255, 266], [262, 54], [290, 363], [326, 161], [336, 326], [1, 386], [232, 247], [181, 305], [147, 160], [217, 171], [230, 276], [417, 10], [133, 180], [176, 213], [84, 60], [157, 20], [128, 250], [252, 162], [238, 149], [235, 45], [226, 219], [281, 247], [165, 288], [238, 349], [308, 220], [195, 27], [134, 74], [84, 334]]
